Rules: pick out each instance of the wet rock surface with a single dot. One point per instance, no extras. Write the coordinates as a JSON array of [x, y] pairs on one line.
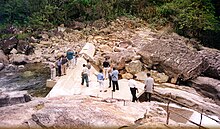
[[79, 112], [31, 77], [16, 97], [208, 87]]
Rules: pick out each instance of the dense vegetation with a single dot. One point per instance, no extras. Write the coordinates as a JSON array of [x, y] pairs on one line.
[[192, 18]]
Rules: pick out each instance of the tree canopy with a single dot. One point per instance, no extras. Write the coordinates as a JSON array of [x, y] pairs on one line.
[[192, 18]]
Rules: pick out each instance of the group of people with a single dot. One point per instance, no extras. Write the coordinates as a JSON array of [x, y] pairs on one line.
[[148, 87], [108, 72], [111, 73], [59, 68]]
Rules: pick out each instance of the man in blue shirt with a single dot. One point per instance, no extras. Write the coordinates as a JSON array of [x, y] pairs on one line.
[[115, 79], [100, 79], [71, 58]]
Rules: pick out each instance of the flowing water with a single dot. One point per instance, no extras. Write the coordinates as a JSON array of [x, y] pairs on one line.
[[32, 78]]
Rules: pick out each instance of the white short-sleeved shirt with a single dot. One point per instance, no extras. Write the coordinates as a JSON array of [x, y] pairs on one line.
[[149, 82], [132, 83], [85, 70]]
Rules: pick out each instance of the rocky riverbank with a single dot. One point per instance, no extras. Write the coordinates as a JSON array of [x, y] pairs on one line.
[[134, 49], [31, 77], [85, 112]]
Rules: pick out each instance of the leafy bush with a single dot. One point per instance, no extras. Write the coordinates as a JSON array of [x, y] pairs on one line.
[[22, 36], [192, 18]]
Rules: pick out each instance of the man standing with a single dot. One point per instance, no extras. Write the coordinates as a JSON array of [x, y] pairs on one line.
[[59, 63], [88, 65], [106, 66], [115, 79], [63, 65], [110, 75], [53, 71], [132, 84], [100, 79], [149, 87], [69, 56], [84, 75]]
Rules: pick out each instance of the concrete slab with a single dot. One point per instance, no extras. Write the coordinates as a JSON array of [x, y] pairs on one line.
[[70, 84], [50, 83]]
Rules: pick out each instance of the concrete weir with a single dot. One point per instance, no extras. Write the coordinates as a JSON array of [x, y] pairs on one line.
[[70, 84]]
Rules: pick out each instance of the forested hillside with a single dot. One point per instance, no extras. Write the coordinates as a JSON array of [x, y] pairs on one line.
[[197, 19]]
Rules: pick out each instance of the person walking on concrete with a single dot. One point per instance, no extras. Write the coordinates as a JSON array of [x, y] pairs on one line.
[[133, 88], [106, 66], [63, 65], [88, 65], [76, 57], [84, 75], [53, 71], [149, 87], [59, 65], [100, 79], [115, 79], [69, 56], [110, 75]]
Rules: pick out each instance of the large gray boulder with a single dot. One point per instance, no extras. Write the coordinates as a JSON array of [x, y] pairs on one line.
[[212, 56], [19, 59], [207, 86], [24, 47], [174, 58], [15, 97], [8, 44], [119, 59], [134, 67], [3, 58]]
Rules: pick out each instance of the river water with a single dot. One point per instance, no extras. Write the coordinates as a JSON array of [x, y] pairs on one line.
[[32, 78]]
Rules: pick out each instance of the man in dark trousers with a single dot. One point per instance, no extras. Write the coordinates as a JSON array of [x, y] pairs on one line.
[[106, 66], [84, 75], [115, 79], [132, 84]]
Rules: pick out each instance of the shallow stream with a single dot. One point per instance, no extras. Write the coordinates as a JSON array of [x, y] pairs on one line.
[[32, 78]]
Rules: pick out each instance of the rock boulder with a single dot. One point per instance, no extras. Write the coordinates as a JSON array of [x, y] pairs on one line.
[[212, 56], [174, 58], [134, 67], [19, 59], [24, 47], [207, 86], [119, 59], [3, 58], [11, 98], [78, 112], [8, 44]]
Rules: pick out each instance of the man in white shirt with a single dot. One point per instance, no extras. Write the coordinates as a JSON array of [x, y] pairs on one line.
[[149, 86], [132, 84], [84, 75]]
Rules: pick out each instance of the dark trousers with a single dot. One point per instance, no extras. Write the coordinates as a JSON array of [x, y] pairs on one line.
[[115, 84], [59, 70], [85, 77], [148, 96], [110, 80], [133, 93]]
